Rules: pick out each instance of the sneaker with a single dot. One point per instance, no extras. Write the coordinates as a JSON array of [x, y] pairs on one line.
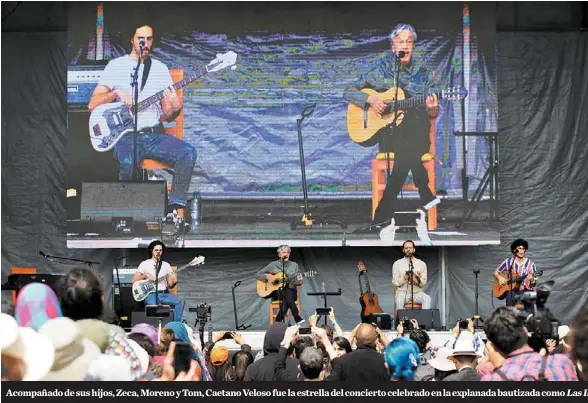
[[432, 204], [388, 233]]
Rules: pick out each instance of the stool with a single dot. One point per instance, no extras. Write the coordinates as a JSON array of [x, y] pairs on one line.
[[275, 308], [412, 305], [379, 169]]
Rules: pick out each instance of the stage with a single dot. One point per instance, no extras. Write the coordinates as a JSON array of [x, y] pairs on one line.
[[255, 338]]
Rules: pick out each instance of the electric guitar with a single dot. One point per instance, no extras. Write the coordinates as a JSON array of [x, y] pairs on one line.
[[110, 122], [265, 288], [499, 291], [369, 301], [364, 124], [142, 288]]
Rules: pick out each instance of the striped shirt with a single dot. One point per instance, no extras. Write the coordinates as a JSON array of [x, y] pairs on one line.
[[519, 270], [524, 365]]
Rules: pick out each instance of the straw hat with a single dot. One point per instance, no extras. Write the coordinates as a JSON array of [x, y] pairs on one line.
[[441, 362], [463, 347], [34, 349], [73, 352]]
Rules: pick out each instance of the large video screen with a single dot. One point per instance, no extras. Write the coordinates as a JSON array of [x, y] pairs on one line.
[[247, 124]]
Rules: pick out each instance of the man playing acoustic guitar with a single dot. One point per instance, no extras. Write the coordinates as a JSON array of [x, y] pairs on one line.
[[410, 140], [517, 266], [289, 291]]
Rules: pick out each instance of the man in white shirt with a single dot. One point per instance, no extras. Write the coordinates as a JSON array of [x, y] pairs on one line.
[[402, 278], [167, 279], [152, 142]]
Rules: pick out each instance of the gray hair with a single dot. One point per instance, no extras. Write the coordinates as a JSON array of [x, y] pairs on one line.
[[403, 27], [282, 247], [311, 362]]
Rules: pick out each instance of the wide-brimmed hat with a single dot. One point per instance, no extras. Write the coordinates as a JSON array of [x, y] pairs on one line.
[[109, 368], [219, 355], [441, 362], [464, 347], [34, 349], [141, 354], [73, 352], [95, 330]]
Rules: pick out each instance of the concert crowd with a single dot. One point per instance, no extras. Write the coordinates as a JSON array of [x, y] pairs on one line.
[[63, 335]]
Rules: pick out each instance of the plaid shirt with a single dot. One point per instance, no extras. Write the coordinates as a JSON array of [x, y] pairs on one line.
[[524, 365]]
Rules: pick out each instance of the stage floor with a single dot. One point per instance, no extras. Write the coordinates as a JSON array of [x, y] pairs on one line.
[[255, 338]]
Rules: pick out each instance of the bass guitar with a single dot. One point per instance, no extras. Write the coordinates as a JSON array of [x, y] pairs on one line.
[[369, 301], [499, 291], [142, 288], [364, 124], [110, 122], [265, 288]]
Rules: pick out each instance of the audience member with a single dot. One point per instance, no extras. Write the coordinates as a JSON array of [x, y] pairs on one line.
[[402, 359], [241, 360], [457, 332], [95, 330], [424, 371], [182, 334], [363, 364], [36, 303], [464, 356], [81, 294], [579, 342], [222, 371], [513, 358], [341, 346], [265, 368], [442, 364], [311, 362]]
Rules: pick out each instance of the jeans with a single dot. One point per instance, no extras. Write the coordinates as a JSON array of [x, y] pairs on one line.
[[164, 298], [165, 148], [403, 163], [289, 302], [512, 297]]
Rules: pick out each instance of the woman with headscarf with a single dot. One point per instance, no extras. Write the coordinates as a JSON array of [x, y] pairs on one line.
[[182, 334]]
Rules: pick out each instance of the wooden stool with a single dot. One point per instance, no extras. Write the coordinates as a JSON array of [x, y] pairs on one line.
[[412, 305]]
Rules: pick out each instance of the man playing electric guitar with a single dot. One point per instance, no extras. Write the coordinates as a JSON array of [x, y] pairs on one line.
[[514, 267], [152, 142], [411, 138], [148, 270], [289, 290]]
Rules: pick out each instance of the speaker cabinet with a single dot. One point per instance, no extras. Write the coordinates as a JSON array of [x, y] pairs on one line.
[[383, 320], [141, 317], [129, 305], [428, 318]]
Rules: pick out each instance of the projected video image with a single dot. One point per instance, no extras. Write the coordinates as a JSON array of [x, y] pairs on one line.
[[313, 124]]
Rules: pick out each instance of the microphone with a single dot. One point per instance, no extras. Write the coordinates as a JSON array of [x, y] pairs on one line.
[[400, 54], [142, 43]]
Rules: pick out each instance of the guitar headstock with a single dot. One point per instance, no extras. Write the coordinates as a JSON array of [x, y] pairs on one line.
[[222, 61], [456, 93], [198, 260], [361, 266], [311, 274]]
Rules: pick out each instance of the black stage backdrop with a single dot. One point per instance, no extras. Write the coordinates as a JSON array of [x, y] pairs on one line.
[[543, 90]]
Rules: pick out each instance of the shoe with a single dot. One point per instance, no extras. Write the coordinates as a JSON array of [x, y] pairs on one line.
[[389, 233], [431, 204]]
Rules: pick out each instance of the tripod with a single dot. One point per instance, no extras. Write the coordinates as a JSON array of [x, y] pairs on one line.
[[489, 180], [477, 319], [307, 220]]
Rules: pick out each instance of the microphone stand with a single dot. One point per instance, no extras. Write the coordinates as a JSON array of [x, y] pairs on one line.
[[411, 271], [120, 300], [477, 318], [237, 325], [307, 221], [283, 293], [67, 259], [157, 269], [135, 86]]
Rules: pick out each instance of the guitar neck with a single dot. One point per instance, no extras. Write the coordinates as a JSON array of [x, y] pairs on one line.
[[411, 102], [168, 274], [147, 102]]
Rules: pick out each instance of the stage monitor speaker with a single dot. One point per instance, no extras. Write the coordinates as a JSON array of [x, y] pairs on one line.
[[129, 304], [123, 207], [383, 320], [141, 317], [428, 318]]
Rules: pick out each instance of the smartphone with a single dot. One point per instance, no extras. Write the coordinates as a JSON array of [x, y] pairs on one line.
[[323, 311], [182, 356], [304, 330], [227, 336]]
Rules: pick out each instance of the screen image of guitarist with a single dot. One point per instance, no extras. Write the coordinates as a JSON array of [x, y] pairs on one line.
[[152, 141], [410, 140]]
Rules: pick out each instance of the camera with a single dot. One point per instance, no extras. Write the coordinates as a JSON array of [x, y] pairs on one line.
[[406, 324], [203, 311], [541, 324]]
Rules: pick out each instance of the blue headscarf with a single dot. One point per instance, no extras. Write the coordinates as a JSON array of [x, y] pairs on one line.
[[182, 334]]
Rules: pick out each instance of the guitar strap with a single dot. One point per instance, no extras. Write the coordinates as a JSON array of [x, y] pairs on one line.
[[145, 72]]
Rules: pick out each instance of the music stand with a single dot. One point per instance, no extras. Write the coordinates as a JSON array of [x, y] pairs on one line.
[[324, 294], [237, 325], [490, 178]]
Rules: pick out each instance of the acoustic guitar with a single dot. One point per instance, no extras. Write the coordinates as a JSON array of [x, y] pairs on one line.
[[369, 301], [265, 288], [364, 124], [499, 291]]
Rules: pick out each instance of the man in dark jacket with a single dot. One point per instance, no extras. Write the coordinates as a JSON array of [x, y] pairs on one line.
[[264, 369], [464, 356], [363, 364]]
